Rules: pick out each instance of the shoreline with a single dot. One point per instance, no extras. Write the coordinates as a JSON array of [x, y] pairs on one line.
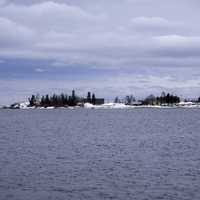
[[107, 106]]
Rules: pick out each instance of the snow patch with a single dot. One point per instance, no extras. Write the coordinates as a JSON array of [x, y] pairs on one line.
[[88, 105]]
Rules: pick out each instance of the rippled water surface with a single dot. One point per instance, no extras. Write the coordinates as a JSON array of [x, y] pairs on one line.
[[142, 154]]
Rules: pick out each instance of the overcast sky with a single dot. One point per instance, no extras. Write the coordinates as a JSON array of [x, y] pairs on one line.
[[111, 47]]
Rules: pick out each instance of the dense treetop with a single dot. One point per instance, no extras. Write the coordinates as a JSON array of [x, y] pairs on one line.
[[61, 100]]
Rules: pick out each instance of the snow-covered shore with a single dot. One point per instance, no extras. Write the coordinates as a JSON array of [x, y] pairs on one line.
[[123, 106], [25, 105]]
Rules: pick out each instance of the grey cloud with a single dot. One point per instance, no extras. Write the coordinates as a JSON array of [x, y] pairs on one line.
[[153, 23], [13, 34], [178, 46], [73, 32], [161, 37]]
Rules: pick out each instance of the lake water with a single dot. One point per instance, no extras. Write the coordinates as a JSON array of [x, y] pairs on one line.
[[138, 154]]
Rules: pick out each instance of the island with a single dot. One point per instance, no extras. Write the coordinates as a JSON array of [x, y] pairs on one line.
[[91, 101]]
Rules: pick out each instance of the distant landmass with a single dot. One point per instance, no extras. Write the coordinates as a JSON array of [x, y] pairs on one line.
[[90, 101]]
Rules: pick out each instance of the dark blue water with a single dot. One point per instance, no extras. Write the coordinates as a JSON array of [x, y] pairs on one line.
[[142, 154]]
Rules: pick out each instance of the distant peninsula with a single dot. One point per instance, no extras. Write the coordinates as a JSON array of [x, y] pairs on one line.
[[90, 101]]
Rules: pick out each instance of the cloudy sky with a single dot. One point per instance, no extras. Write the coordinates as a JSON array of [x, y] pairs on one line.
[[111, 47]]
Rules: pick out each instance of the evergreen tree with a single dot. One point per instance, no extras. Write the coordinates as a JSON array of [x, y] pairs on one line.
[[73, 99], [117, 100], [73, 94], [93, 99], [54, 100], [32, 100], [150, 100], [70, 101], [42, 102], [163, 98], [47, 101], [66, 100], [168, 98], [62, 99], [89, 97]]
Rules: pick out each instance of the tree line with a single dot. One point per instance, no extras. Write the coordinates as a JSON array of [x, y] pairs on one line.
[[162, 99], [61, 100], [151, 99], [64, 100]]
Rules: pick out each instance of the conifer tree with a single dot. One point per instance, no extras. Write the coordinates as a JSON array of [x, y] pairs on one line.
[[32, 100], [168, 98], [47, 100], [93, 99], [89, 97], [117, 100], [73, 98], [42, 102]]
